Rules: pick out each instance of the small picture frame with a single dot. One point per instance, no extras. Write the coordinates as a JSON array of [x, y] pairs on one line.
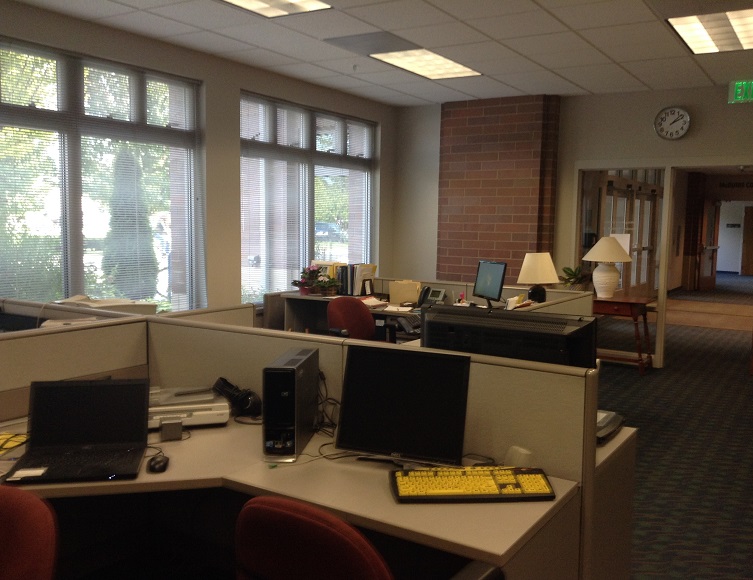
[[368, 287]]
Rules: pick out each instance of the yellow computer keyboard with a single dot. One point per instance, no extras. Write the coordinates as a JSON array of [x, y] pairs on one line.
[[467, 484]]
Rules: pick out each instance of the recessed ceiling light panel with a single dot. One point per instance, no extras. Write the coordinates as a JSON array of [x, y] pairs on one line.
[[275, 8], [426, 63], [721, 32]]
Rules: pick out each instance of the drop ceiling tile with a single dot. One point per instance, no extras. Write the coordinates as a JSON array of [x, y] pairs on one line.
[[610, 13], [604, 78], [205, 16], [304, 70], [323, 24], [148, 24], [669, 73], [431, 91], [393, 15], [563, 59], [636, 42], [547, 43], [727, 66], [542, 83], [390, 96], [470, 9], [517, 25], [448, 34], [85, 9], [482, 87], [285, 41], [260, 57], [393, 76], [206, 41], [355, 65]]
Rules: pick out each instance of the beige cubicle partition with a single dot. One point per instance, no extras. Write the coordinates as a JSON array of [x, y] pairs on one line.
[[192, 354], [114, 348], [238, 315], [548, 409]]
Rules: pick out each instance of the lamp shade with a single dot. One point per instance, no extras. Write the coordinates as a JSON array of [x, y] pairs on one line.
[[538, 269], [607, 249], [606, 276]]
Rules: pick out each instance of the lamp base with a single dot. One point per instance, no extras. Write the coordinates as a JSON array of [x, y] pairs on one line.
[[537, 293], [605, 277]]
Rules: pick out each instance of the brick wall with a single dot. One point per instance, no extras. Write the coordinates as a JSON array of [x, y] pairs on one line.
[[498, 166]]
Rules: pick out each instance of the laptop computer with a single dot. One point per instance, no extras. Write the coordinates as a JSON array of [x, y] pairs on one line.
[[84, 431]]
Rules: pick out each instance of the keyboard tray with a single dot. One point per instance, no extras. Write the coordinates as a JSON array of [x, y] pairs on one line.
[[478, 483]]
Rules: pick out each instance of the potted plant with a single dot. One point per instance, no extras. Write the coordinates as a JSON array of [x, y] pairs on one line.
[[315, 280], [308, 279], [575, 278]]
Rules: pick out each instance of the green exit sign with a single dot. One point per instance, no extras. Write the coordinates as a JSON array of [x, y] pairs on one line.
[[740, 92]]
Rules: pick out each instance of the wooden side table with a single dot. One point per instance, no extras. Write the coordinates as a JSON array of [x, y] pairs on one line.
[[634, 307]]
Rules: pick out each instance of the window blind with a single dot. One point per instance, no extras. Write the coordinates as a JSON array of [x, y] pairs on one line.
[[97, 187], [306, 188]]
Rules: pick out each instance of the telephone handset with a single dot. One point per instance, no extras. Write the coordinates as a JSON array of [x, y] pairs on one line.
[[431, 296], [423, 295]]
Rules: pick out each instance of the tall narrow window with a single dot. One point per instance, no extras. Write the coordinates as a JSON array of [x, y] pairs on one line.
[[306, 179], [97, 187]]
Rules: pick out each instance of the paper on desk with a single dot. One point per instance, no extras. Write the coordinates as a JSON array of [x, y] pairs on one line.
[[372, 301], [393, 308]]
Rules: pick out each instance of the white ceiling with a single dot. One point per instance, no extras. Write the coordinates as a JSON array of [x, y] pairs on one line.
[[521, 47]]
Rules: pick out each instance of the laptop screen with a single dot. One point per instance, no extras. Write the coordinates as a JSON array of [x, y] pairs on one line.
[[89, 412]]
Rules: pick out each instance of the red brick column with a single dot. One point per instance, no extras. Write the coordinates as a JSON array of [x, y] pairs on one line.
[[497, 175]]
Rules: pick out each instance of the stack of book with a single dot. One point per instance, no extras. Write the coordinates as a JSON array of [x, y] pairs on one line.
[[350, 276]]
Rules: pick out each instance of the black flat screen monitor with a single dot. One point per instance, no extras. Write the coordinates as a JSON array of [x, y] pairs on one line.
[[404, 404], [552, 338], [490, 278]]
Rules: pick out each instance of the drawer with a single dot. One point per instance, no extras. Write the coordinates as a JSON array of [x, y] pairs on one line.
[[616, 308]]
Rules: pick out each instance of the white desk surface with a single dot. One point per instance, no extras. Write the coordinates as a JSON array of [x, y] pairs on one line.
[[358, 491]]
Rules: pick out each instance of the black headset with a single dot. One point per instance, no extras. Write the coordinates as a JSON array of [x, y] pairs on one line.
[[243, 401]]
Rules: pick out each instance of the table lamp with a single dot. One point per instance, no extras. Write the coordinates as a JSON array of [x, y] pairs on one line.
[[538, 269], [606, 276]]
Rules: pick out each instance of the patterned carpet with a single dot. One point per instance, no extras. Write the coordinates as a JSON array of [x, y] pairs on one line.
[[693, 513], [731, 288]]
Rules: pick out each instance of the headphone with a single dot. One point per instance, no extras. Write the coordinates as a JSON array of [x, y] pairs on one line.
[[243, 401]]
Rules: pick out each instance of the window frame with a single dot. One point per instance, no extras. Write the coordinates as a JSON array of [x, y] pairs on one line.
[[73, 124]]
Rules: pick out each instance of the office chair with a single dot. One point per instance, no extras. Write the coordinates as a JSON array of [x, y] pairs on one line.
[[349, 316], [28, 536], [280, 538]]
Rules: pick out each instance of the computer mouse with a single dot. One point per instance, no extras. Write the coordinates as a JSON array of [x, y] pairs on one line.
[[157, 464]]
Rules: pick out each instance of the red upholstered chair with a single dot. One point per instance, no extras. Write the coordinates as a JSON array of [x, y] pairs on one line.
[[28, 536], [280, 538], [348, 316]]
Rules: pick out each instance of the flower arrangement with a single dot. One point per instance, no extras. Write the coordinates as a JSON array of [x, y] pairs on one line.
[[315, 279]]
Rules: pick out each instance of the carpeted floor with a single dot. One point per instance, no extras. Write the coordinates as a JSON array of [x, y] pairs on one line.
[[693, 515], [731, 288]]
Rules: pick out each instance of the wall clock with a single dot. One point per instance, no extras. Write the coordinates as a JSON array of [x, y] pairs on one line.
[[672, 123]]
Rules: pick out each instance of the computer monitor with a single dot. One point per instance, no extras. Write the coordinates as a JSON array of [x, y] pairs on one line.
[[553, 338], [404, 404], [490, 278]]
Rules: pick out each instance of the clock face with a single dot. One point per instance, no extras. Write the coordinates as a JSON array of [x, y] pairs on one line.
[[672, 123]]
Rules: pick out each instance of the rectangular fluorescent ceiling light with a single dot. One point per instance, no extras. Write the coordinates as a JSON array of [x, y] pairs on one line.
[[720, 32], [275, 8], [425, 63]]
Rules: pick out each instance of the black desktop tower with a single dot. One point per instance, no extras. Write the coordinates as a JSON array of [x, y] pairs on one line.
[[290, 388]]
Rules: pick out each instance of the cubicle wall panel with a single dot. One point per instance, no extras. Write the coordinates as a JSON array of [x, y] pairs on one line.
[[241, 315], [39, 355], [194, 355], [540, 411]]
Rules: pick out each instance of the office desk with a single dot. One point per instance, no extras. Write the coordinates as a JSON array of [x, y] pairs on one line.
[[634, 307], [528, 540], [309, 313]]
